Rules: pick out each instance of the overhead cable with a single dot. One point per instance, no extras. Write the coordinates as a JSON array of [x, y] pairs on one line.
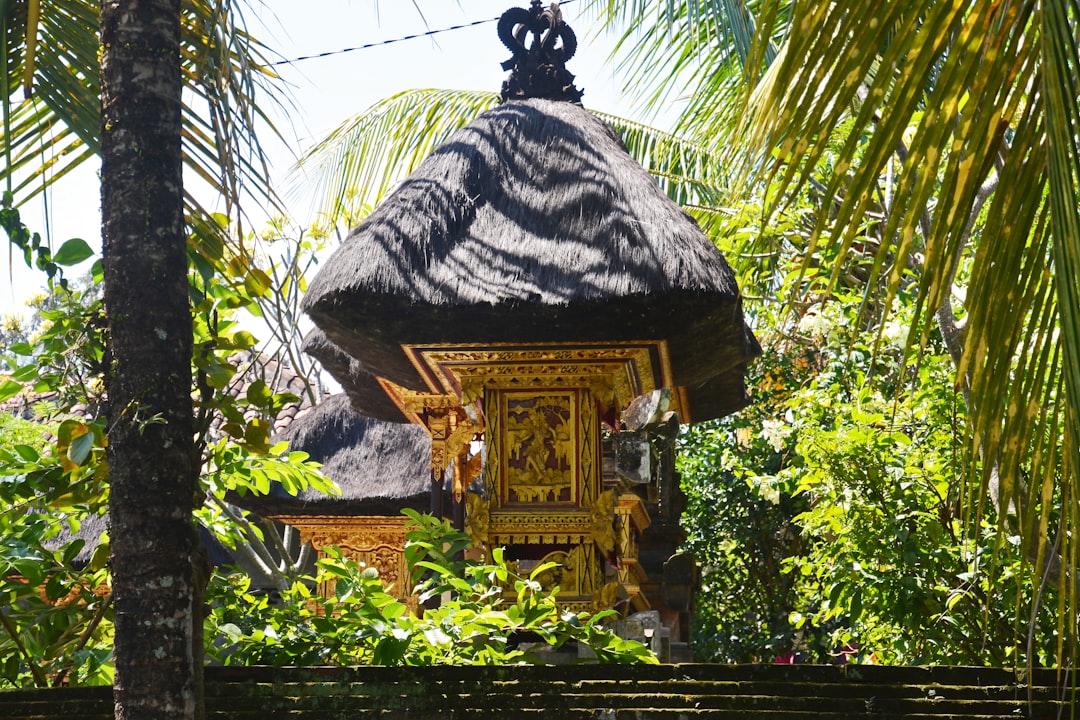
[[380, 43]]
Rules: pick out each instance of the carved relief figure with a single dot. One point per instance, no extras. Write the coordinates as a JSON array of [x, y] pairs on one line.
[[541, 445]]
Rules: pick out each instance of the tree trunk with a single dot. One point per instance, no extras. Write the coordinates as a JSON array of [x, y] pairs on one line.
[[152, 462]]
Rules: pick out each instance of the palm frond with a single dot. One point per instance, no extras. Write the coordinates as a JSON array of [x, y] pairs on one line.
[[62, 111], [678, 50], [361, 160], [960, 96], [228, 72], [369, 153], [689, 172], [57, 127], [727, 23]]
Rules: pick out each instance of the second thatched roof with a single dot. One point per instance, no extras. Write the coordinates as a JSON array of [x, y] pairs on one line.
[[381, 467], [531, 224]]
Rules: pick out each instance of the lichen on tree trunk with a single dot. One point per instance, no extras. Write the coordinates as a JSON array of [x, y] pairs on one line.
[[152, 460]]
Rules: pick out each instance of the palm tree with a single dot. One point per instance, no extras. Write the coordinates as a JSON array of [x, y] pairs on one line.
[[153, 467], [956, 125], [127, 105]]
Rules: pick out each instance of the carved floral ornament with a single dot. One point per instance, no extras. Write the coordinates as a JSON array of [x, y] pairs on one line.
[[541, 528], [477, 519], [616, 372], [377, 542], [452, 428], [602, 521]]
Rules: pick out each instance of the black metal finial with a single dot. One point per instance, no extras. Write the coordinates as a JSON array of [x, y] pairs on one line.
[[538, 70]]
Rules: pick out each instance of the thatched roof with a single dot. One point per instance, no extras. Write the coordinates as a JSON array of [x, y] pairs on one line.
[[381, 467], [355, 379], [533, 224]]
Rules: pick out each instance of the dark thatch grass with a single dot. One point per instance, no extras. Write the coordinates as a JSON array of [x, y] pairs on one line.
[[533, 224], [380, 466], [358, 383]]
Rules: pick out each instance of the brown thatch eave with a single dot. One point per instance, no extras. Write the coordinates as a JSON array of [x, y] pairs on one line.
[[367, 396], [706, 340]]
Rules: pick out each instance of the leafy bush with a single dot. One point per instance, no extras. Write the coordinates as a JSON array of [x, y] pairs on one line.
[[485, 614], [55, 620], [827, 515], [55, 611]]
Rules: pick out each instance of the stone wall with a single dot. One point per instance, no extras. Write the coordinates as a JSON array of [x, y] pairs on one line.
[[603, 692]]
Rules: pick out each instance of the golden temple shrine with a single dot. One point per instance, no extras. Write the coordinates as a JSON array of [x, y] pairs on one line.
[[532, 300], [539, 410]]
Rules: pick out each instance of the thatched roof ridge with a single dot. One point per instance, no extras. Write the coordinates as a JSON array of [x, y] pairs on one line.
[[535, 201], [381, 467], [531, 224]]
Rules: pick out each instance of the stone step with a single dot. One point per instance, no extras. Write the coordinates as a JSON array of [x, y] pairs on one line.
[[680, 653], [589, 691], [488, 713], [546, 690], [851, 706], [850, 674]]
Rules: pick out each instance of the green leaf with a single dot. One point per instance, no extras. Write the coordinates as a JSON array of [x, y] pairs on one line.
[[241, 340], [100, 558], [541, 569], [259, 394], [72, 550], [72, 252], [257, 282], [257, 433], [219, 376], [231, 632], [54, 588], [28, 453], [9, 389], [79, 449], [26, 373], [390, 650]]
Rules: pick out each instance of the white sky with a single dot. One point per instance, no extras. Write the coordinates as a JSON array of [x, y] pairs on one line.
[[327, 90]]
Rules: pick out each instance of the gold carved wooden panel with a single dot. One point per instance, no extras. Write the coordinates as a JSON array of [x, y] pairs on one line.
[[616, 371], [540, 449], [540, 409], [376, 541]]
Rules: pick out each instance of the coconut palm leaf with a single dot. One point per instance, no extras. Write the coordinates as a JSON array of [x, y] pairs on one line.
[[55, 125], [979, 101], [953, 128], [367, 155], [699, 51], [728, 25]]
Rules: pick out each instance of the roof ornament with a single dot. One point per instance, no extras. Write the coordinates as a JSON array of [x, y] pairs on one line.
[[538, 70]]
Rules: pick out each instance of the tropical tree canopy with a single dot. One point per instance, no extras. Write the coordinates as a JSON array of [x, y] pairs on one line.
[[949, 136], [916, 159]]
